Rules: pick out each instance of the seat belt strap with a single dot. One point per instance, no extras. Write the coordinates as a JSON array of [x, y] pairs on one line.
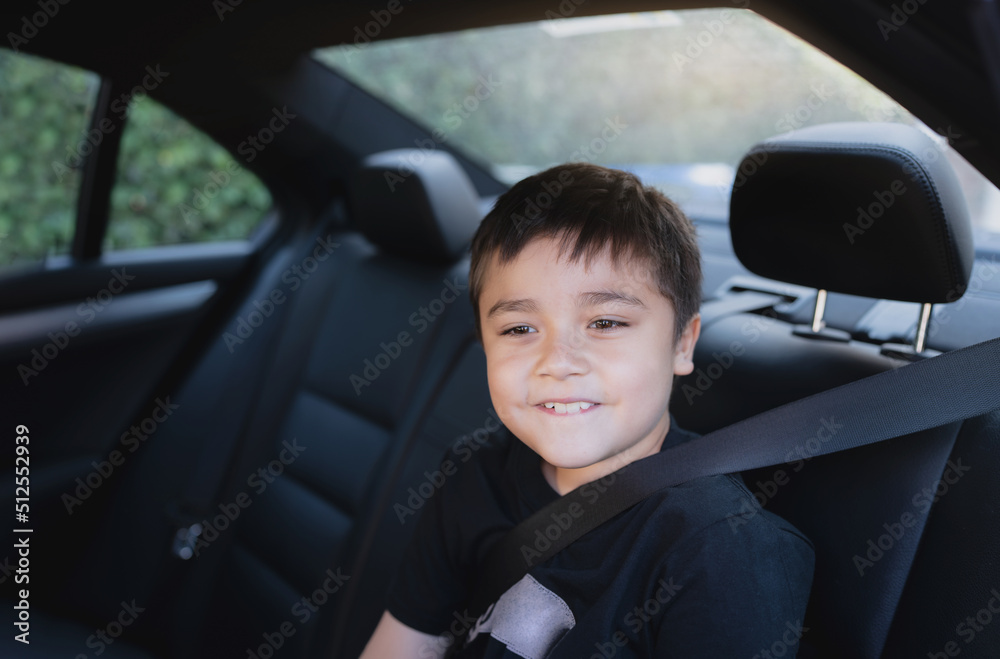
[[954, 386]]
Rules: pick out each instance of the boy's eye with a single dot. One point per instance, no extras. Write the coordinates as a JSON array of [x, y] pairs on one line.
[[518, 330], [607, 324]]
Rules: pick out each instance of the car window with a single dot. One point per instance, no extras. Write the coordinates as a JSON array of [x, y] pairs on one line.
[[175, 185], [45, 112], [675, 96]]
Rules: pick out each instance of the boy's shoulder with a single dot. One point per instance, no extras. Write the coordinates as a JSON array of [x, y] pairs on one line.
[[503, 470], [479, 476], [706, 539], [717, 512], [473, 459]]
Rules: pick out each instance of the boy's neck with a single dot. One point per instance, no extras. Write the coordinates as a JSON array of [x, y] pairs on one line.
[[564, 480]]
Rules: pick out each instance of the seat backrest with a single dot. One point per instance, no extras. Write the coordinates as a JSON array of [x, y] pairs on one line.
[[874, 211], [840, 501], [355, 375], [291, 441]]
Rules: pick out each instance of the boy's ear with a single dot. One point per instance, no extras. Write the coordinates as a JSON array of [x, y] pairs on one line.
[[684, 349]]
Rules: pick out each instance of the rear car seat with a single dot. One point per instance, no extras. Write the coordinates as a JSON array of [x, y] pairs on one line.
[[299, 431], [799, 203], [388, 328]]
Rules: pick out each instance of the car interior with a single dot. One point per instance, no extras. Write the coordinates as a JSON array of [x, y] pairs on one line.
[[231, 440]]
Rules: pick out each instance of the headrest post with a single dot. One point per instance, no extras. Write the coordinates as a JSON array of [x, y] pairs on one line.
[[925, 319], [817, 323]]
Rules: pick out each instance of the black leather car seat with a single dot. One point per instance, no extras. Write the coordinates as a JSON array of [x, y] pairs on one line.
[[868, 210]]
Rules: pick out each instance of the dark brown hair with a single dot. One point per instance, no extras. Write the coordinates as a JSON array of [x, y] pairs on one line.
[[591, 208]]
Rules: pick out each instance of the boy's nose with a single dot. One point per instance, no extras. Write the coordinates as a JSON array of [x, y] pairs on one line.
[[563, 355]]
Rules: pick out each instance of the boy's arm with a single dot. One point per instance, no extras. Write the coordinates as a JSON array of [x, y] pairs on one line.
[[394, 639]]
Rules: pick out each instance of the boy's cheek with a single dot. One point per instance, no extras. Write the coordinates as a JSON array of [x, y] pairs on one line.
[[500, 408]]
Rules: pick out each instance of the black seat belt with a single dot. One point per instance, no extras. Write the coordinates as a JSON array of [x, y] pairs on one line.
[[951, 387]]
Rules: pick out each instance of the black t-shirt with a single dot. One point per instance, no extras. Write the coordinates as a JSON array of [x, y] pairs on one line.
[[696, 571]]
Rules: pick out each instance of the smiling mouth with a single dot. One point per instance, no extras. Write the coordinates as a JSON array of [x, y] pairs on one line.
[[569, 408]]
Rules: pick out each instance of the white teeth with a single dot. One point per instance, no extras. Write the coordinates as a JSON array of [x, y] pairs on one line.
[[568, 408]]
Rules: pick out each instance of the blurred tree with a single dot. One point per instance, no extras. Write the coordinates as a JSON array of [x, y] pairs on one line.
[[174, 184], [44, 110], [698, 86]]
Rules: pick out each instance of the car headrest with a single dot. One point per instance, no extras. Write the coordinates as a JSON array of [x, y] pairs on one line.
[[415, 203], [868, 209]]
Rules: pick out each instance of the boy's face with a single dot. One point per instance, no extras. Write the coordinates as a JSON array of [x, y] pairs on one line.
[[581, 359]]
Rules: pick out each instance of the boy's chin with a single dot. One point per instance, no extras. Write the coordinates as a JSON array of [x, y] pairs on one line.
[[566, 474], [572, 462]]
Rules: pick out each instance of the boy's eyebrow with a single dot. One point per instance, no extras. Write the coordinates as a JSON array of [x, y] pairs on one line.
[[597, 298], [505, 306], [588, 299]]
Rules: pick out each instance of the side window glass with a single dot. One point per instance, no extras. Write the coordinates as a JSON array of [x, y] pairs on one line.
[[175, 185], [45, 112]]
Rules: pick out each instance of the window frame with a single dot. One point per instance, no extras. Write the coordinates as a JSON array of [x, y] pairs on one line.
[[93, 207]]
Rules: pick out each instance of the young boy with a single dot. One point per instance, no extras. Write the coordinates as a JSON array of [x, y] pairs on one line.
[[586, 287]]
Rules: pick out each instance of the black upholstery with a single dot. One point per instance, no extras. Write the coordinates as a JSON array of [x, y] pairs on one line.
[[788, 211], [368, 344], [953, 578], [312, 519], [759, 364], [370, 365], [839, 501], [415, 203], [860, 208]]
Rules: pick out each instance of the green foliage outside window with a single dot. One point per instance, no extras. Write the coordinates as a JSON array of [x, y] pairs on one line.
[[44, 113], [173, 184]]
